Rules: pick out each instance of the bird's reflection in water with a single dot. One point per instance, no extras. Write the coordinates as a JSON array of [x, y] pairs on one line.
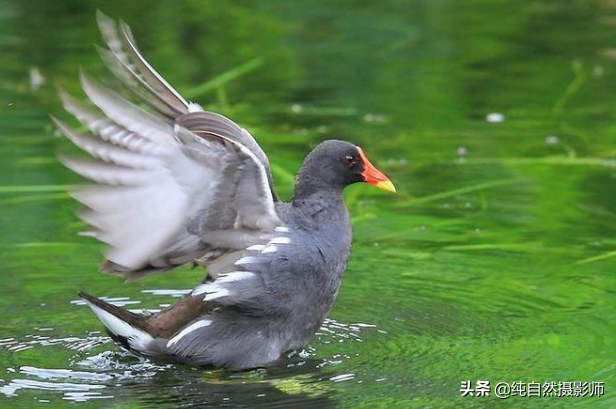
[[290, 383]]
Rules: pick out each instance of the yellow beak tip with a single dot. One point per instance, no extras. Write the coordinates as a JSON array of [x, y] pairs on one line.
[[386, 185]]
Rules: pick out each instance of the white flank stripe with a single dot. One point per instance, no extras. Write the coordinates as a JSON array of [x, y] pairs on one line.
[[234, 276], [245, 260], [188, 330], [212, 291], [223, 292], [256, 247], [203, 288], [282, 229], [269, 249], [137, 338], [280, 240]]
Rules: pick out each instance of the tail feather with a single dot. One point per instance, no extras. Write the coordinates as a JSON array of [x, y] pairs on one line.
[[125, 327]]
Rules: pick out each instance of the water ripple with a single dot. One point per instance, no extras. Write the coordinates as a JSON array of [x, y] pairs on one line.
[[72, 390], [305, 376]]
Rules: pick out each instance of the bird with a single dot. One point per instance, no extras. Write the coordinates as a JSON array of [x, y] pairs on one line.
[[173, 184]]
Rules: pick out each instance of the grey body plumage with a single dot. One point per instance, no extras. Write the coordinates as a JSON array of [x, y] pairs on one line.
[[284, 303]]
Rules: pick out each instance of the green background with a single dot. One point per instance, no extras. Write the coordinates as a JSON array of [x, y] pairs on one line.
[[495, 261]]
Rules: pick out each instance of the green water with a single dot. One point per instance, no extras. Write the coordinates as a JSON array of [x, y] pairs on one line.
[[495, 261]]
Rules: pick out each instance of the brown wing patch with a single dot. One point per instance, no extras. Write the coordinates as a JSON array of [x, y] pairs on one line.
[[170, 320]]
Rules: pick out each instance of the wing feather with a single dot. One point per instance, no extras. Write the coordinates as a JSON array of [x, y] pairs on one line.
[[125, 113], [126, 62], [166, 91], [170, 185], [137, 84], [134, 69], [105, 151], [106, 129]]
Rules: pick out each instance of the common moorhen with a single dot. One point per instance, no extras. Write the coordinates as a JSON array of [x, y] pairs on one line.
[[177, 184]]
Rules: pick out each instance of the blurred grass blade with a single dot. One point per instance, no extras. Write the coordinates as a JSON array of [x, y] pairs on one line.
[[571, 90], [37, 197], [281, 173], [462, 190], [34, 188], [223, 78], [494, 246], [546, 160], [600, 257], [44, 244], [319, 111]]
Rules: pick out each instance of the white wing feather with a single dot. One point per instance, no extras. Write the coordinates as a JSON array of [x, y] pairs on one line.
[[164, 181]]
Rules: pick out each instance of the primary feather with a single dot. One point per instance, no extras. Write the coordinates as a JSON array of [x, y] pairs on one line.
[[171, 181]]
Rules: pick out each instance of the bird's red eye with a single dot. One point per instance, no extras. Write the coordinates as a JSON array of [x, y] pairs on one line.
[[349, 159]]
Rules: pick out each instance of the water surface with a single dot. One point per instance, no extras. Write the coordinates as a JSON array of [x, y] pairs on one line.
[[495, 261]]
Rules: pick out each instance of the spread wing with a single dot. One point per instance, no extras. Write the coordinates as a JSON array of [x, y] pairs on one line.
[[173, 183]]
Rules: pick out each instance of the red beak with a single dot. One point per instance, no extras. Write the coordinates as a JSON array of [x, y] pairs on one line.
[[374, 176]]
